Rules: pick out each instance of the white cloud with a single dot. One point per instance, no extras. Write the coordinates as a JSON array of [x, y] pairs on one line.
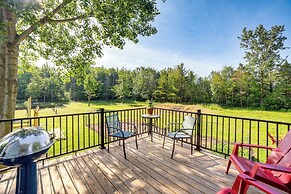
[[136, 55]]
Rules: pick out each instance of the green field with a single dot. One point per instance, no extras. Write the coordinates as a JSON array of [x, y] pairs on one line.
[[81, 107]]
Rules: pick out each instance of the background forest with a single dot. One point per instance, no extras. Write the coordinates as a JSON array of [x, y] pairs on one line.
[[228, 87]]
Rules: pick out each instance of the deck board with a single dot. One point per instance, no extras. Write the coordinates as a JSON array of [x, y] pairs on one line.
[[148, 169]]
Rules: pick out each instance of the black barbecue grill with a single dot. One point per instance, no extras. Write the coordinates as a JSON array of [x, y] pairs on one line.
[[22, 148]]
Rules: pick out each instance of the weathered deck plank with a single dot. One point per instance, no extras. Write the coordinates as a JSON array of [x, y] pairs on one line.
[[148, 169]]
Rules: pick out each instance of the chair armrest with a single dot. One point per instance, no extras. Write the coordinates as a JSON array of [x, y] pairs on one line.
[[237, 145], [114, 128], [243, 178], [117, 129], [242, 183], [258, 165], [168, 124]]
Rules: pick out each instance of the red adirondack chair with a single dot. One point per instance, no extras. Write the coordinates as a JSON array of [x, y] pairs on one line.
[[277, 169], [242, 183]]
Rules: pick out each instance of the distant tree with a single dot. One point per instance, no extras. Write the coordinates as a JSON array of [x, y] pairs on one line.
[[144, 83], [222, 86], [35, 87], [47, 84], [228, 85], [101, 76], [240, 80], [284, 83], [110, 82], [203, 91], [178, 83], [217, 87], [77, 91], [191, 93], [123, 88], [162, 91], [281, 97], [90, 85], [262, 53], [25, 74]]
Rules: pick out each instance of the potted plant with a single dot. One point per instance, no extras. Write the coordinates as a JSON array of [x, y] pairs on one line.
[[150, 108]]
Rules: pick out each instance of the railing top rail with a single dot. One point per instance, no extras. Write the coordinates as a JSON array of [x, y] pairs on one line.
[[181, 111], [70, 114], [49, 116], [245, 118], [140, 108], [225, 116], [127, 109]]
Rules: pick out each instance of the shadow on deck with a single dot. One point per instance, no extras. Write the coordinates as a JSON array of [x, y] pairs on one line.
[[148, 169]]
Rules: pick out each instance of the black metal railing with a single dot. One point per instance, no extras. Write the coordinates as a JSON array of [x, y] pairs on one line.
[[216, 133], [75, 132], [221, 132]]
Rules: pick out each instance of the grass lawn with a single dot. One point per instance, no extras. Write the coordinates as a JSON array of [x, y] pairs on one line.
[[280, 116], [82, 107]]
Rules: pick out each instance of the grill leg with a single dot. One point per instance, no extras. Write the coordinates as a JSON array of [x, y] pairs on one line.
[[26, 181]]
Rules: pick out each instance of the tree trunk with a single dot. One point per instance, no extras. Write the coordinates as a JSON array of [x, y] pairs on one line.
[[262, 93], [9, 52], [89, 100]]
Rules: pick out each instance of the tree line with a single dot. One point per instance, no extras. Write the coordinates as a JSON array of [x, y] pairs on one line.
[[228, 87]]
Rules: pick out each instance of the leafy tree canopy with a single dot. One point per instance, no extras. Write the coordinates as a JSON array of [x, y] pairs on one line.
[[73, 32]]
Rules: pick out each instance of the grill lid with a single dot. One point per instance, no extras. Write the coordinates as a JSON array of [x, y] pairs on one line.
[[24, 142]]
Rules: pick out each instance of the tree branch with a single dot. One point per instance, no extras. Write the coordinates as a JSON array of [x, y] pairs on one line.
[[69, 19], [41, 22]]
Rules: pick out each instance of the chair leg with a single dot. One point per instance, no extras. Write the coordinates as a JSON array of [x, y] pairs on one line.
[[191, 145], [136, 142], [244, 187], [164, 139], [173, 148], [228, 166], [161, 131], [123, 148], [142, 129], [108, 143]]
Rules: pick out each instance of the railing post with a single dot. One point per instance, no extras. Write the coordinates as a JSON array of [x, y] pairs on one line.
[[102, 118], [198, 145]]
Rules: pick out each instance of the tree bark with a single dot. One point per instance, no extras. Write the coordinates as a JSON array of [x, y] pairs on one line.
[[9, 52], [89, 100]]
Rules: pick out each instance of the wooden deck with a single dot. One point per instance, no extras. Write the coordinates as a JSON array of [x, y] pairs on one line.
[[148, 169]]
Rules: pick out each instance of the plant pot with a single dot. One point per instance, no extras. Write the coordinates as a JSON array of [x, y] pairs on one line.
[[150, 111]]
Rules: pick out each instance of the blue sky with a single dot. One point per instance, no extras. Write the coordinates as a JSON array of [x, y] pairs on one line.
[[202, 34]]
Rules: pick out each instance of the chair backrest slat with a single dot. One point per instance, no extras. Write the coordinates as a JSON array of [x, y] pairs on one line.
[[281, 156], [112, 123], [189, 124], [278, 153]]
